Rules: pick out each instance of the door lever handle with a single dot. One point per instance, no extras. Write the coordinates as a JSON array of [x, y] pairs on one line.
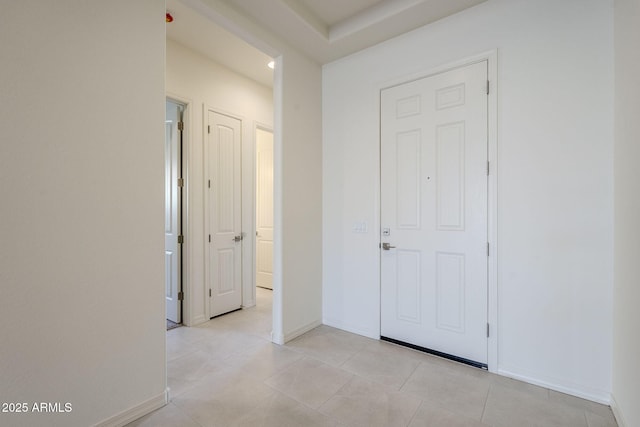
[[238, 238], [387, 246]]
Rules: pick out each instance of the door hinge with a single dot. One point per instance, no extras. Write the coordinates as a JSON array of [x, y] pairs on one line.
[[487, 87], [180, 182], [209, 183], [208, 128], [180, 126], [181, 239], [180, 296], [209, 238], [209, 292], [487, 330], [487, 168], [487, 248]]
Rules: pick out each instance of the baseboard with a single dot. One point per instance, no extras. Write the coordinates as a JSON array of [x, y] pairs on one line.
[[277, 338], [602, 398], [137, 411], [297, 332], [616, 412], [334, 323], [198, 320]]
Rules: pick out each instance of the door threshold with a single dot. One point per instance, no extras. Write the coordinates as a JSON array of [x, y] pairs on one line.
[[223, 314], [437, 353], [172, 325]]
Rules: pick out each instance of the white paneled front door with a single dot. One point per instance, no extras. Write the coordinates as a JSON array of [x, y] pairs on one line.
[[172, 216], [264, 209], [224, 208], [434, 213]]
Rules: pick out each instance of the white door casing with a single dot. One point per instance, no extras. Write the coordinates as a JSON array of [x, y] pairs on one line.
[[224, 213], [434, 195], [264, 208], [172, 212]]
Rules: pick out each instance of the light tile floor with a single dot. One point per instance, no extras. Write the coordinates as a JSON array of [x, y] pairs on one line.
[[228, 373]]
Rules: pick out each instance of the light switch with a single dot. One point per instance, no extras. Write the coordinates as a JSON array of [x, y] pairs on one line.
[[359, 227]]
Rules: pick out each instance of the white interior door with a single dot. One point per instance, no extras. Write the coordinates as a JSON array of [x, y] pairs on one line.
[[224, 198], [172, 251], [264, 209], [434, 213]]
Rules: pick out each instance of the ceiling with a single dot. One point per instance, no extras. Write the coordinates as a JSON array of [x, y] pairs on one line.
[[330, 29], [197, 32], [325, 30]]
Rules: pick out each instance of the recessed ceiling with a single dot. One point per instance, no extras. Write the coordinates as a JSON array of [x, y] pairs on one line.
[[333, 11], [325, 30], [330, 29]]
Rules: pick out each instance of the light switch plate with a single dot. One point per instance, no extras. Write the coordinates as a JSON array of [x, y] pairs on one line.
[[359, 227]]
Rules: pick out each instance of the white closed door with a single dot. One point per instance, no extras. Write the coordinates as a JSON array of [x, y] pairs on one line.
[[172, 200], [224, 218], [434, 213], [264, 209]]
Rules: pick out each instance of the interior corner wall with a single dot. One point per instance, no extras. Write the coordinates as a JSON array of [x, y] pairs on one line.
[[204, 84], [626, 347], [81, 166], [555, 181]]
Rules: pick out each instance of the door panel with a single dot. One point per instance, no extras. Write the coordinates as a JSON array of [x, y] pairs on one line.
[[172, 212], [264, 209], [434, 212], [225, 251]]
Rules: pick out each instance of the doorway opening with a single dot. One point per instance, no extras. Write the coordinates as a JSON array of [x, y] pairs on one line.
[[225, 101]]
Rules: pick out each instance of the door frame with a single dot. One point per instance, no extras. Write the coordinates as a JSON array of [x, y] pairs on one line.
[[492, 183], [257, 126], [184, 208]]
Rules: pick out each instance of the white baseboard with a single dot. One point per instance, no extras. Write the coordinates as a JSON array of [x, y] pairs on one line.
[[602, 398], [137, 411], [616, 412], [334, 323], [277, 338], [198, 320], [303, 329]]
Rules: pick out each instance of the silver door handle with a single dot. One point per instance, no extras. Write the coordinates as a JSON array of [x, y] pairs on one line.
[[387, 246]]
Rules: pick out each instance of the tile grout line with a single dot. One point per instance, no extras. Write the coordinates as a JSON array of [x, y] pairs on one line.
[[415, 412], [410, 375], [349, 358], [186, 414], [486, 400], [304, 403]]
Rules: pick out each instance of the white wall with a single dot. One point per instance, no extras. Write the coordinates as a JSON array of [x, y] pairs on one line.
[[81, 167], [555, 113], [202, 82], [626, 340]]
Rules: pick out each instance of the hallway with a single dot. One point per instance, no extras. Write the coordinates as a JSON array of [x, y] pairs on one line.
[[227, 372]]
